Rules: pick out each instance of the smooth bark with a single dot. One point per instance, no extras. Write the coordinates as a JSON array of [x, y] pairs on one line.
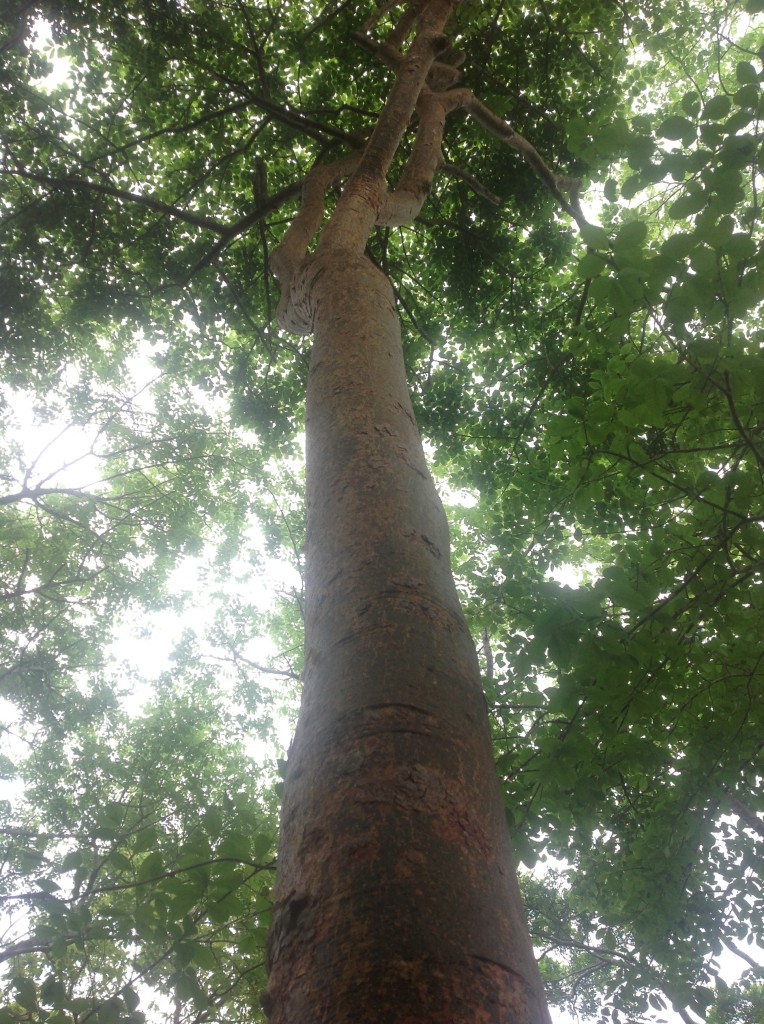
[[396, 899]]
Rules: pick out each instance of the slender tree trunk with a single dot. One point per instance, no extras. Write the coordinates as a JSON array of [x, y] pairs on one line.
[[396, 898]]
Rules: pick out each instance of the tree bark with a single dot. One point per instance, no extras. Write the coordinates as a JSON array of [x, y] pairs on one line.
[[396, 899]]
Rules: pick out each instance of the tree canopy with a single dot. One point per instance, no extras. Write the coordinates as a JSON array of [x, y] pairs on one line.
[[591, 385]]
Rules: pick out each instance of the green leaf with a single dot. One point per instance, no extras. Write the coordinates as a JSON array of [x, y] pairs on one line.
[[203, 957], [717, 108], [146, 839], [53, 992], [262, 846], [676, 127], [237, 846], [590, 265], [188, 989], [119, 860], [693, 201], [747, 96], [601, 288], [631, 186], [595, 236], [613, 138], [151, 867], [746, 73], [524, 851], [48, 885], [71, 861], [26, 992], [678, 246], [131, 998], [630, 236], [110, 1011], [691, 104]]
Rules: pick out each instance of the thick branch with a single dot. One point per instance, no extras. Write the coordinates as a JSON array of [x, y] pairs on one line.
[[358, 208], [289, 254], [404, 204], [33, 946], [33, 493], [556, 184]]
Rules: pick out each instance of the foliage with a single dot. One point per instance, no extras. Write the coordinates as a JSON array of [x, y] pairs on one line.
[[598, 396], [636, 452], [139, 862], [735, 1006]]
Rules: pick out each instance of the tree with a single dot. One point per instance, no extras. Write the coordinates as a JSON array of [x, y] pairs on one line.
[[634, 417], [736, 1007], [395, 895], [145, 860]]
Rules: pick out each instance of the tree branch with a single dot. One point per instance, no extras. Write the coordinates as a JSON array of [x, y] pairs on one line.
[[33, 493], [233, 231], [72, 183], [477, 186], [556, 184], [741, 953], [746, 815]]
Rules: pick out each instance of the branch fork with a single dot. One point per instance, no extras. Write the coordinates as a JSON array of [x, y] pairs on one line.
[[427, 89]]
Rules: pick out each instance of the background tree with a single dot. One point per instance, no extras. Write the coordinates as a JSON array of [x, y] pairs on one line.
[[602, 406], [734, 1006]]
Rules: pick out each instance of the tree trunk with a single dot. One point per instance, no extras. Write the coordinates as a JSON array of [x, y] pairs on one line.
[[396, 900]]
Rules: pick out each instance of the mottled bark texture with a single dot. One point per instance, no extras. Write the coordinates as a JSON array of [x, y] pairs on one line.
[[396, 900]]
